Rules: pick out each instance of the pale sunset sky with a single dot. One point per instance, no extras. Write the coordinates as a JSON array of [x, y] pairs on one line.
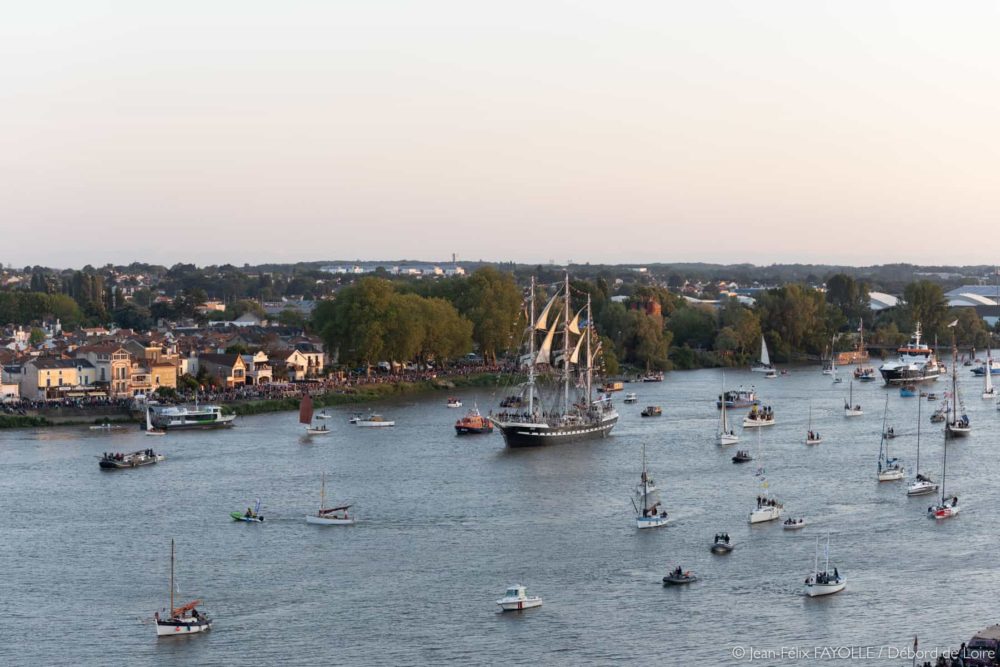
[[252, 131]]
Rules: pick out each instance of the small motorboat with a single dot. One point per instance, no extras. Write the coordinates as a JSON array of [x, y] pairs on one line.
[[117, 461], [454, 402], [742, 457], [794, 524], [250, 516], [907, 391], [838, 380], [864, 374], [355, 418], [652, 411], [323, 415], [722, 544], [517, 599], [932, 397], [631, 397], [374, 421], [772, 375], [679, 577], [106, 426]]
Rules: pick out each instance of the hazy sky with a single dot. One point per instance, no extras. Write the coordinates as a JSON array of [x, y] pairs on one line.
[[248, 131]]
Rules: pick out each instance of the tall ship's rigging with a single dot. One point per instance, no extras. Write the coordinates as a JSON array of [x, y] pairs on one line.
[[557, 401]]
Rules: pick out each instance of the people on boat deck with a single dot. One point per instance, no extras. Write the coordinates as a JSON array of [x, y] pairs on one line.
[[249, 513], [678, 572]]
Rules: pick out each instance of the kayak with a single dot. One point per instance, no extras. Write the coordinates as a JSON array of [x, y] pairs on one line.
[[239, 516]]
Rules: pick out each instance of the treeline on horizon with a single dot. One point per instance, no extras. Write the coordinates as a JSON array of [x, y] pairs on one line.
[[381, 317]]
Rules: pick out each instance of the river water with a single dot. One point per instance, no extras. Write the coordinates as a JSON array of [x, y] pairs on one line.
[[446, 523]]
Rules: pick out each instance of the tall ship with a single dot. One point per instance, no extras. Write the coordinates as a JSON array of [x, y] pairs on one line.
[[173, 417], [557, 402], [916, 363]]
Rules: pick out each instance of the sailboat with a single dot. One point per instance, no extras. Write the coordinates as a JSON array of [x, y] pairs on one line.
[[332, 516], [648, 513], [989, 392], [831, 368], [889, 469], [812, 437], [956, 426], [560, 418], [150, 429], [922, 484], [850, 409], [763, 365], [768, 509], [183, 620], [727, 436], [825, 582], [306, 417], [947, 506]]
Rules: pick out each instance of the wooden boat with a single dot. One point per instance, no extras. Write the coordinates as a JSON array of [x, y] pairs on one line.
[[117, 461], [182, 620], [332, 516]]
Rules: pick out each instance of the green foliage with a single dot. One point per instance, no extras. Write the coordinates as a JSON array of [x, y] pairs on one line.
[[24, 308], [36, 336], [970, 330], [133, 316], [693, 326], [926, 303], [244, 306], [849, 295], [793, 318], [292, 317], [492, 301]]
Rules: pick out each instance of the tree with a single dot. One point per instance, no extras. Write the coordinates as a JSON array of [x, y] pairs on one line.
[[492, 301], [133, 316], [926, 304], [36, 336], [692, 326], [446, 333], [850, 296]]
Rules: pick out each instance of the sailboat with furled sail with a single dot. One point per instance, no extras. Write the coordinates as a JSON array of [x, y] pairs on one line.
[[649, 511], [956, 425], [727, 436], [183, 620], [329, 516], [549, 414]]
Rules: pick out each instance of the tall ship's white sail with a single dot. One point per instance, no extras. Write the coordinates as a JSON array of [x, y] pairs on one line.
[[557, 403]]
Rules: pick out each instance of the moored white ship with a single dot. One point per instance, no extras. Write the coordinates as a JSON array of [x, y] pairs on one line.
[[172, 418], [916, 363]]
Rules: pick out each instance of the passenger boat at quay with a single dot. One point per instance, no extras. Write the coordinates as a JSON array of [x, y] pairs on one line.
[[916, 363], [175, 418], [557, 402]]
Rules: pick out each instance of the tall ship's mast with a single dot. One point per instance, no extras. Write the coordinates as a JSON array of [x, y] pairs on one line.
[[554, 414]]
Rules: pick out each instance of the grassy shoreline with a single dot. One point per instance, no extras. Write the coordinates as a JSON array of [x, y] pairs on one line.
[[363, 394]]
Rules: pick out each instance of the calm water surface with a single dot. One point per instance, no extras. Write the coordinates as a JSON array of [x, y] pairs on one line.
[[447, 523]]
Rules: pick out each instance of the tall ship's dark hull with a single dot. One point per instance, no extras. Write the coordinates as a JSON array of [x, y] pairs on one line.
[[535, 435], [903, 375]]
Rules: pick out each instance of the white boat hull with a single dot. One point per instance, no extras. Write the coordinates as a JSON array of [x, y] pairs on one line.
[[368, 424], [727, 439], [324, 521], [318, 431], [155, 432], [813, 441], [890, 475], [817, 590], [651, 521], [938, 512], [794, 526], [850, 412], [921, 489], [757, 423], [762, 514], [168, 629], [507, 604]]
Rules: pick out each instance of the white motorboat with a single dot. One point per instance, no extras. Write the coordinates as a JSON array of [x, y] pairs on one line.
[[332, 516], [764, 365], [922, 485], [323, 415], [825, 582], [374, 421], [106, 426], [517, 599], [454, 402], [851, 409], [183, 620], [648, 512], [889, 469], [794, 524], [727, 436], [722, 544], [631, 397]]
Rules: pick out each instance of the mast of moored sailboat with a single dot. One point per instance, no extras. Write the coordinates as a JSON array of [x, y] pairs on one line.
[[171, 577]]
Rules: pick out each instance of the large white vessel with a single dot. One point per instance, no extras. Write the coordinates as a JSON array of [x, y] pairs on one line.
[[916, 363], [181, 417]]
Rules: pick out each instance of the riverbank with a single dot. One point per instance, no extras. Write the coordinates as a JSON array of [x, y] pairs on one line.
[[365, 393]]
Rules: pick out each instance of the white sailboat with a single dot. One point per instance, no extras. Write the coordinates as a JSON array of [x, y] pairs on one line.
[[150, 429], [763, 365], [727, 436], [922, 484], [831, 368], [768, 509], [947, 506], [648, 513], [989, 391], [956, 426], [183, 620], [850, 408], [812, 437], [825, 582], [889, 469], [332, 516]]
